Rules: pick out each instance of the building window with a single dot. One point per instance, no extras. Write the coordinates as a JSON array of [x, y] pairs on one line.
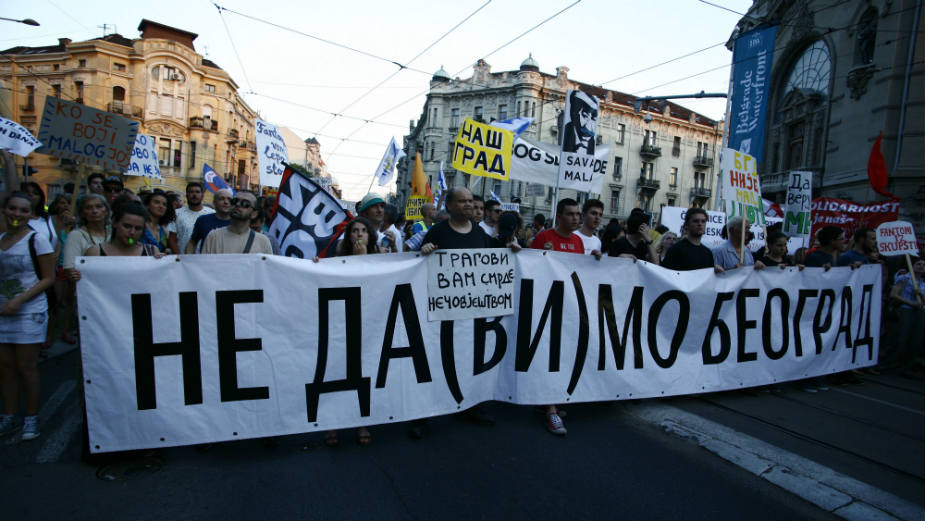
[[81, 63], [433, 119], [518, 108], [617, 167], [210, 88], [496, 188], [192, 155], [118, 67], [614, 201], [177, 157], [647, 170], [671, 201], [702, 150], [866, 38], [502, 112], [56, 67], [118, 94], [478, 114], [700, 179], [454, 118], [163, 151], [30, 98], [79, 91], [56, 90], [650, 139], [621, 133], [533, 109], [644, 200], [676, 147], [673, 176], [433, 150]]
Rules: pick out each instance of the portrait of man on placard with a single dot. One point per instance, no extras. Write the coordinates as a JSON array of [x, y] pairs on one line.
[[581, 125]]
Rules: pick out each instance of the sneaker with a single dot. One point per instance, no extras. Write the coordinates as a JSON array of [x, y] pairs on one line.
[[555, 425], [30, 428], [8, 424]]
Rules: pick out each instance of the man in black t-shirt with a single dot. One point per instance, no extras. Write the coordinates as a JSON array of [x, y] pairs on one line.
[[688, 253], [636, 244]]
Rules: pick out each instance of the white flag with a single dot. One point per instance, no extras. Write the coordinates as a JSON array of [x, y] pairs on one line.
[[387, 166], [16, 138]]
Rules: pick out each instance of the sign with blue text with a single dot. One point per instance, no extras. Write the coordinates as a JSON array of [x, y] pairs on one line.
[[86, 135], [144, 158], [271, 154], [15, 138]]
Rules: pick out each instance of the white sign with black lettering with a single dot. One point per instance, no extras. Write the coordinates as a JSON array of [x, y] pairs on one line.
[[466, 284]]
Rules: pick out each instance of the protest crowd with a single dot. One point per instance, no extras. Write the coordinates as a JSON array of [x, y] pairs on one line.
[[40, 241]]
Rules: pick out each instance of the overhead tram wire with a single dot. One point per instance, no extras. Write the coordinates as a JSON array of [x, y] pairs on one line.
[[316, 109], [416, 56], [234, 47]]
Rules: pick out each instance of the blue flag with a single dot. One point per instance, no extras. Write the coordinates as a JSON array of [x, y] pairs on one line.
[[751, 78], [516, 125], [213, 181]]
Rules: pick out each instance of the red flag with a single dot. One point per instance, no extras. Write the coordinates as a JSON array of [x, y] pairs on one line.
[[876, 170]]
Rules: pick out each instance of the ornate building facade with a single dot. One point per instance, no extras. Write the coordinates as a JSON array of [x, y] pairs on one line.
[[185, 101], [841, 76], [663, 155]]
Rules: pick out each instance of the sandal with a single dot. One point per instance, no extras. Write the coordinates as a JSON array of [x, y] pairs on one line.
[[331, 439], [363, 437]]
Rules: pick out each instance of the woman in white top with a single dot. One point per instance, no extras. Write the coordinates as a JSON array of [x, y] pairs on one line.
[[27, 269]]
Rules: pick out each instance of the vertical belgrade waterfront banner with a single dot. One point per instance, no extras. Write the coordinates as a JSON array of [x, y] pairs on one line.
[[271, 154], [751, 73]]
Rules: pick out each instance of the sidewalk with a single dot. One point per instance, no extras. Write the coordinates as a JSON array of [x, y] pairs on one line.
[[846, 449]]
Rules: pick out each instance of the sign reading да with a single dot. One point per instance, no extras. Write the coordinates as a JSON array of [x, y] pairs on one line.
[[87, 135], [798, 205], [466, 284], [483, 150]]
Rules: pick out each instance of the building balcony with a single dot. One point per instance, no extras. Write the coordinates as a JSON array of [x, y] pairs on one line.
[[28, 107], [646, 183], [701, 192], [120, 107], [703, 162], [203, 123], [650, 151], [232, 135]]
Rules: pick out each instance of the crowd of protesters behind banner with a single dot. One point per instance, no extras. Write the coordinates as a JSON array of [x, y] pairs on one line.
[[39, 244]]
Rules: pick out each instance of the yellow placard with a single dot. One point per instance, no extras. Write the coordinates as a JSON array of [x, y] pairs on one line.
[[414, 205], [483, 150]]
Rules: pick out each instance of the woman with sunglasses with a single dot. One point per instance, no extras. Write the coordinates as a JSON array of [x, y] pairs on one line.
[[27, 269]]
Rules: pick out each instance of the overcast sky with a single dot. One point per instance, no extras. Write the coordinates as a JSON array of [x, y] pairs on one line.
[[600, 41]]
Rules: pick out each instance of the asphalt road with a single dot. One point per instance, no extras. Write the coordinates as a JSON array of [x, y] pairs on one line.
[[610, 466]]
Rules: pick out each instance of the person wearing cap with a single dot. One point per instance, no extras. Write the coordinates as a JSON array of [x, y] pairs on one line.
[[372, 207], [112, 187]]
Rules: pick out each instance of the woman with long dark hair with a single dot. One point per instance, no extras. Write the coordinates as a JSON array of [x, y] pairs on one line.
[[160, 215], [27, 269]]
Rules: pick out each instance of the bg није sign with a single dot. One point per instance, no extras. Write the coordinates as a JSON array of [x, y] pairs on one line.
[[897, 238], [465, 284], [80, 133]]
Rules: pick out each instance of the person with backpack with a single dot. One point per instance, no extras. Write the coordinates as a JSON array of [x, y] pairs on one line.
[[27, 269]]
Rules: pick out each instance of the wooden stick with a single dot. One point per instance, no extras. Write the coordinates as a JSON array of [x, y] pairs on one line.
[[915, 286]]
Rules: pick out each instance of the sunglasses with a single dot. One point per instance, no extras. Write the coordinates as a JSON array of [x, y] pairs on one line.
[[243, 203]]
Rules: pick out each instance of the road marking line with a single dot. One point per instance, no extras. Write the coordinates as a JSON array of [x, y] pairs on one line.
[[57, 443], [837, 493], [907, 409]]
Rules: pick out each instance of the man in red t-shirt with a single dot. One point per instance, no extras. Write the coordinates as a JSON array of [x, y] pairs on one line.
[[560, 238]]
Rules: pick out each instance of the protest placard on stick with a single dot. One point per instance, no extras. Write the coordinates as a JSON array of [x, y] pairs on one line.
[[483, 150], [465, 284], [86, 135], [898, 238], [144, 158], [798, 205], [414, 205]]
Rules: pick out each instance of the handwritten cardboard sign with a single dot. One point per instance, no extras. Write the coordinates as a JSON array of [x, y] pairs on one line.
[[15, 138], [798, 205], [741, 186], [896, 238], [271, 153], [466, 284], [86, 135], [144, 158]]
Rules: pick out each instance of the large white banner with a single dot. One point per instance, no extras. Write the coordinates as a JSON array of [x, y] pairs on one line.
[[222, 347], [536, 162], [271, 153]]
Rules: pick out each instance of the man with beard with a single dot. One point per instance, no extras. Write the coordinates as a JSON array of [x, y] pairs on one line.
[[207, 223], [187, 215], [238, 237]]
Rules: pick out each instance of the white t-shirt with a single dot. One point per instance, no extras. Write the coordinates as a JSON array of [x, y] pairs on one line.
[[186, 219], [591, 243], [17, 273], [490, 230], [45, 229]]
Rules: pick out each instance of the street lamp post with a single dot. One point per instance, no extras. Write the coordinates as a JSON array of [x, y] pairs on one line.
[[27, 21]]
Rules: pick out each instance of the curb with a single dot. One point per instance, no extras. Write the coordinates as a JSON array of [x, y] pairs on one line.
[[831, 491]]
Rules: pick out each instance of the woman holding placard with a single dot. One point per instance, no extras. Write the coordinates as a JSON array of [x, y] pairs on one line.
[[909, 292]]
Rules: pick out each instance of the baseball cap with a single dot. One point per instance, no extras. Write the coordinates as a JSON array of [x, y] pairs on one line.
[[369, 200]]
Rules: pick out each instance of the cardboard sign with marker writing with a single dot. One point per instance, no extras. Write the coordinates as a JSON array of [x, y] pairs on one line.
[[86, 135]]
